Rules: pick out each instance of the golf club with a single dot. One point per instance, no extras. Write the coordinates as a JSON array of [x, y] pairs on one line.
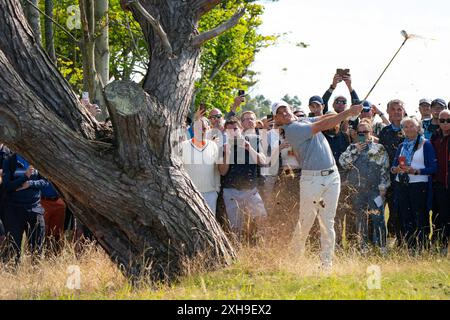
[[406, 36]]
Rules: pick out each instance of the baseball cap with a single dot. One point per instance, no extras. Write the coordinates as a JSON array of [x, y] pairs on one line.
[[278, 104], [315, 99], [424, 100], [440, 102], [367, 106]]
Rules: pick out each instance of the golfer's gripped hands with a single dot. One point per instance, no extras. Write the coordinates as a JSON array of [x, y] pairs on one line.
[[355, 109]]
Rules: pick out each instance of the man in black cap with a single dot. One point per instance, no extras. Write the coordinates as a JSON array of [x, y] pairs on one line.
[[316, 106], [437, 105]]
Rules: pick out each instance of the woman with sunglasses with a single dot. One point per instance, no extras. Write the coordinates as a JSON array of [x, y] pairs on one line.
[[366, 166], [414, 163], [441, 183]]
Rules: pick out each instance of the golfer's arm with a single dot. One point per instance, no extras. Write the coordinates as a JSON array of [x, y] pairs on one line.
[[329, 122]]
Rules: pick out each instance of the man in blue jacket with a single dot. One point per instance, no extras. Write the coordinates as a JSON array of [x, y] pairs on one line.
[[23, 210]]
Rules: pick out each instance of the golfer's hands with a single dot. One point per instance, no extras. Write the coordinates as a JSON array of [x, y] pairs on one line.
[[355, 109]]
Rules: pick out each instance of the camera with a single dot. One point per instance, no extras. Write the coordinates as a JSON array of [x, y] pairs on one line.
[[241, 93]]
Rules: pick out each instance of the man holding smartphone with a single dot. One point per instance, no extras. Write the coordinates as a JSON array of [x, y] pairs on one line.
[[320, 181], [240, 99], [340, 102]]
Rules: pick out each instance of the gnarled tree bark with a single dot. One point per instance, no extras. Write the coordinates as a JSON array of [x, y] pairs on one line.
[[132, 192]]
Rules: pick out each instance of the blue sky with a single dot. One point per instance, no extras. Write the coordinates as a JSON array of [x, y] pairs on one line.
[[362, 36]]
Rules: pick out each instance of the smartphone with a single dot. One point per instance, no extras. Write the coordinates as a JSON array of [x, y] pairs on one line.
[[343, 72], [402, 160], [241, 93], [270, 117], [311, 115], [361, 138]]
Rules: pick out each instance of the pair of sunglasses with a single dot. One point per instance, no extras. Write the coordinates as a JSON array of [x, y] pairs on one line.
[[363, 132], [444, 120], [216, 116]]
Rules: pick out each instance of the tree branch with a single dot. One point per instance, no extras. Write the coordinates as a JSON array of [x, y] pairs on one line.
[[197, 41], [56, 23], [155, 24], [204, 6]]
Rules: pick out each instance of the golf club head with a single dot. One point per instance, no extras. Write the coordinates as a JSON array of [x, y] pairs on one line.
[[404, 34]]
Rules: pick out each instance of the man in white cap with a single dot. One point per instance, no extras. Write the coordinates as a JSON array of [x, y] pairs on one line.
[[320, 181], [426, 116]]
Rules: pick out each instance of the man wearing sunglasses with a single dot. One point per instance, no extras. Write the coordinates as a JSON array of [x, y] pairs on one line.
[[216, 122], [340, 102], [437, 105], [441, 183]]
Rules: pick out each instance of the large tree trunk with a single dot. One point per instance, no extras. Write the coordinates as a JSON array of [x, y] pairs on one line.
[[132, 193]]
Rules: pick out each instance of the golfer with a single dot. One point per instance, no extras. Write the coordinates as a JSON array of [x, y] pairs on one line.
[[320, 182]]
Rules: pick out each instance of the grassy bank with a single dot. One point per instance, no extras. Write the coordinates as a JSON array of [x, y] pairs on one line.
[[265, 272]]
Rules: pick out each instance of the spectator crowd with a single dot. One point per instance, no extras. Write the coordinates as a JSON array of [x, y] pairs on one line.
[[380, 175]]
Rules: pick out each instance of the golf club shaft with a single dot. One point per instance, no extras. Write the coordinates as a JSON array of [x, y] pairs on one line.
[[373, 87]]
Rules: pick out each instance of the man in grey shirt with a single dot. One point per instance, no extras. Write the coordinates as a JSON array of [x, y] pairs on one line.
[[320, 182]]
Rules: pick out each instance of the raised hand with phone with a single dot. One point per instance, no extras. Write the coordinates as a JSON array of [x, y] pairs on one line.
[[240, 99]]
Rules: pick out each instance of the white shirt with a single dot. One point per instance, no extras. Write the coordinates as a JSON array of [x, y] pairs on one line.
[[417, 162], [201, 165]]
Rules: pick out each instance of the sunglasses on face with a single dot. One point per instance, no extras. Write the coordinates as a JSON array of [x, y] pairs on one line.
[[341, 102], [444, 120], [363, 132], [215, 116]]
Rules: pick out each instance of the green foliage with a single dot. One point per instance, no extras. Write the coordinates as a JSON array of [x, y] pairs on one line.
[[259, 105], [225, 60], [128, 50], [294, 101], [224, 63]]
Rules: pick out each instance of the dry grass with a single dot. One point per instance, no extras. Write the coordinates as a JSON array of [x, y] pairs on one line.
[[266, 271]]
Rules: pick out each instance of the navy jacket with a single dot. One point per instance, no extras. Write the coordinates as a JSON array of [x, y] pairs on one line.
[[327, 95], [13, 179]]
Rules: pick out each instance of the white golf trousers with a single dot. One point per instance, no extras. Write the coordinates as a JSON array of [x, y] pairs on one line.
[[318, 197]]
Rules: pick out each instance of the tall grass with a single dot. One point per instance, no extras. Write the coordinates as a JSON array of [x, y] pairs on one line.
[[269, 270]]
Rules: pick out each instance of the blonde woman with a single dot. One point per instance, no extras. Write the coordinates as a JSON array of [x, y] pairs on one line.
[[414, 163], [366, 165]]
